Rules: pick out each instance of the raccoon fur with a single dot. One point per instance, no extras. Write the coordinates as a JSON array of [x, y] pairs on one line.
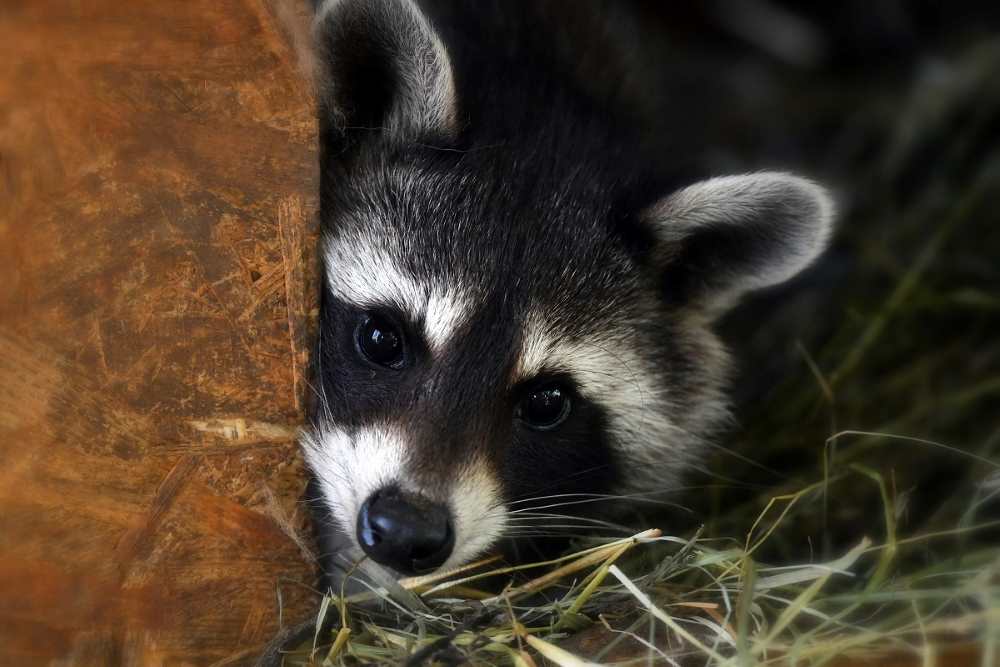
[[523, 263]]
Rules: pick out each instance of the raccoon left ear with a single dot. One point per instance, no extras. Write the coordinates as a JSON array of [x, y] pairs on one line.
[[723, 237], [383, 70]]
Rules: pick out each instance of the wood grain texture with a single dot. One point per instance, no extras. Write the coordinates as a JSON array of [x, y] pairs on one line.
[[156, 228]]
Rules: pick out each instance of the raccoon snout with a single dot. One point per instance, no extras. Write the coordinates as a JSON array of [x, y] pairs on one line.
[[409, 534]]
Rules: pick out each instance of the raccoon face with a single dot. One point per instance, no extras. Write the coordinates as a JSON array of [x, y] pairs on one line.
[[508, 328]]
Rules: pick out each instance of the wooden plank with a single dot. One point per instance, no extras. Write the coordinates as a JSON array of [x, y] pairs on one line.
[[156, 166]]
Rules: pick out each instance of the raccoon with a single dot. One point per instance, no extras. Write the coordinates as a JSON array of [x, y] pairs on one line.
[[521, 274]]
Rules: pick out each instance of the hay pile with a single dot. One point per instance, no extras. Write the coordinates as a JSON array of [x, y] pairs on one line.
[[695, 600]]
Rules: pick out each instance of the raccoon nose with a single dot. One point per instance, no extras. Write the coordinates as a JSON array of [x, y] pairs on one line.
[[409, 534]]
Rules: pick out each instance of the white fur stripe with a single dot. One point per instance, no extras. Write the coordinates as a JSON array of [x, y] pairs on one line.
[[609, 373], [367, 276], [351, 469], [445, 312], [478, 513], [361, 273]]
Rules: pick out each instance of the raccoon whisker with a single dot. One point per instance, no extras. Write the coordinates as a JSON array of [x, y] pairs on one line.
[[321, 397], [556, 526], [558, 533], [583, 520], [579, 521], [547, 535], [561, 495], [549, 515], [605, 498], [524, 515], [462, 150], [724, 482], [366, 128], [543, 520], [642, 494], [565, 531], [708, 442], [742, 457], [549, 526], [566, 478], [319, 371], [597, 497]]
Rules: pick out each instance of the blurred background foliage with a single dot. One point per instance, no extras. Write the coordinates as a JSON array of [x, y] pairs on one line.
[[895, 105]]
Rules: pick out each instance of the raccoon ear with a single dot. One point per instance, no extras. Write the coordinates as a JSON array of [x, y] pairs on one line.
[[382, 67], [723, 237]]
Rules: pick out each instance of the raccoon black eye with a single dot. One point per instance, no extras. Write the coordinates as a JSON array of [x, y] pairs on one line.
[[545, 408], [380, 341]]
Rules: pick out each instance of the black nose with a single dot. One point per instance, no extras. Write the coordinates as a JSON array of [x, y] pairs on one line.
[[406, 533]]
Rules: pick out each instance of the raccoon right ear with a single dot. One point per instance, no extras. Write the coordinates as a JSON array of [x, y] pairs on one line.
[[382, 68], [723, 237]]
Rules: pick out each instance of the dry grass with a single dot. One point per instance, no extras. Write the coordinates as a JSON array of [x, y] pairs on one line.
[[694, 600]]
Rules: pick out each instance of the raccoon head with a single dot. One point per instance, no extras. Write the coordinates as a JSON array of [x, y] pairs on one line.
[[510, 322]]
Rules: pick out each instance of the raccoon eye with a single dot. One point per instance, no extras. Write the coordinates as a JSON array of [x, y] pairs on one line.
[[545, 408], [380, 341]]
